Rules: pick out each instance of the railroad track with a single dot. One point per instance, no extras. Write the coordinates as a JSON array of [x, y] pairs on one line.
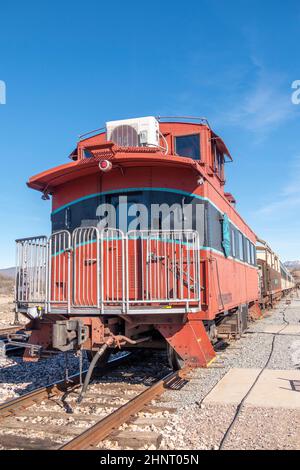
[[4, 331], [51, 418], [7, 349]]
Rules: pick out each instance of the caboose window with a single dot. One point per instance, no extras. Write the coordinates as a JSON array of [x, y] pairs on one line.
[[248, 252], [218, 161], [253, 254], [241, 246], [188, 146], [233, 243]]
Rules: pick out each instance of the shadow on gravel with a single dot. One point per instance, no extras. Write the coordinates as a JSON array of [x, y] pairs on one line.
[[144, 369]]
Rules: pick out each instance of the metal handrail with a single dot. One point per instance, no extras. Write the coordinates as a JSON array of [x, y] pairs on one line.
[[31, 270], [102, 270], [190, 118], [91, 132], [201, 119]]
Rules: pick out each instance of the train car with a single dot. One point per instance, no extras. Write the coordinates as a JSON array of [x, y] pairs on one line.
[[296, 278], [147, 249], [288, 282], [275, 280]]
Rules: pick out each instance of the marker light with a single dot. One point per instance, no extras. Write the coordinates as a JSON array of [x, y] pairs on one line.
[[105, 165]]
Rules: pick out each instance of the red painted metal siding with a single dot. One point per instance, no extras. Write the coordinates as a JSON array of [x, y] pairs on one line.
[[227, 282]]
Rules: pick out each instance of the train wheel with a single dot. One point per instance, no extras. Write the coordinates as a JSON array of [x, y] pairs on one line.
[[102, 361], [174, 360], [213, 333]]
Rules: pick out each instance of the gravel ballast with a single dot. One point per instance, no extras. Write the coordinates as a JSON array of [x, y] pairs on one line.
[[202, 426]]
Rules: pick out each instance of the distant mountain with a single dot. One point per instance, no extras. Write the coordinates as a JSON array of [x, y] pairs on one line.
[[292, 264], [8, 272]]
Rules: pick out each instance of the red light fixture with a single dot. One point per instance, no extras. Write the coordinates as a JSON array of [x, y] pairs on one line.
[[105, 165]]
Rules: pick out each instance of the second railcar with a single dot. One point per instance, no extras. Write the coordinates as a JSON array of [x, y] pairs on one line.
[[275, 280]]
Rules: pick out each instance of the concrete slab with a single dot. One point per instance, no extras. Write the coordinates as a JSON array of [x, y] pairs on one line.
[[270, 328], [293, 329], [274, 389], [233, 386], [295, 304]]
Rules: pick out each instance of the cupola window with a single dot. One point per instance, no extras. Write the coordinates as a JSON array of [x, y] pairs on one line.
[[188, 146]]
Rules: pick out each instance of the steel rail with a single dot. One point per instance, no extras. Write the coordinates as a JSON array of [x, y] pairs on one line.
[[105, 426], [11, 329], [8, 408]]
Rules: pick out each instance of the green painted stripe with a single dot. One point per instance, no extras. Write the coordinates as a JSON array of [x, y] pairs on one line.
[[169, 190], [204, 248], [128, 190], [89, 242]]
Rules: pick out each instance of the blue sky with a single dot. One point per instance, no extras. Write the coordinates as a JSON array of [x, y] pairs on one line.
[[69, 67]]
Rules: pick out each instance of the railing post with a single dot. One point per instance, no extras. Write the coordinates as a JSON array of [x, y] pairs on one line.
[[127, 275], [69, 281], [101, 272], [48, 274], [124, 275]]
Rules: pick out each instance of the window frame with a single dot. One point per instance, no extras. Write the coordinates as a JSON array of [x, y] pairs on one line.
[[233, 243], [254, 254], [251, 254], [241, 246], [249, 250], [218, 162], [198, 134]]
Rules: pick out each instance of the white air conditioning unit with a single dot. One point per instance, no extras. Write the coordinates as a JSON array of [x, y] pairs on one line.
[[138, 132]]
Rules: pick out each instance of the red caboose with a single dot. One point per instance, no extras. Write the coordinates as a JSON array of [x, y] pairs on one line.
[[146, 250]]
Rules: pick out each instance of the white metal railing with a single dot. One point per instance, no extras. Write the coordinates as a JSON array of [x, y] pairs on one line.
[[108, 269], [86, 276], [163, 267], [113, 280], [32, 270], [59, 272]]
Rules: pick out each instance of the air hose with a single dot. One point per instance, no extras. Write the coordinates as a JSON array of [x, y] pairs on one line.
[[87, 379]]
